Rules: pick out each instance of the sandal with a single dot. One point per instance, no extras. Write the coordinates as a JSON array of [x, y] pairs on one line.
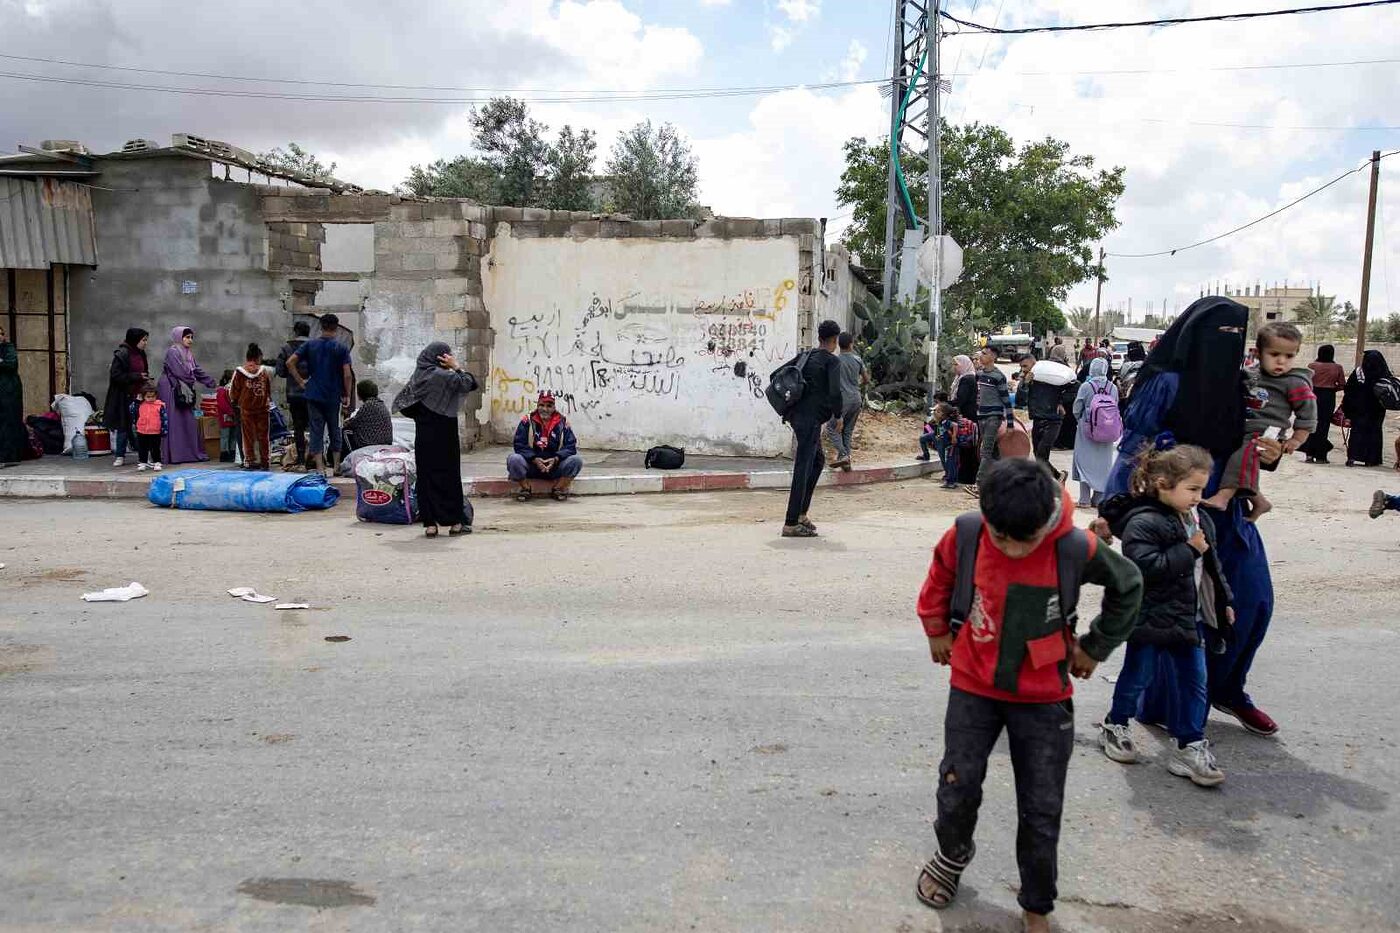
[[430, 532], [524, 495], [559, 495], [456, 530], [945, 874]]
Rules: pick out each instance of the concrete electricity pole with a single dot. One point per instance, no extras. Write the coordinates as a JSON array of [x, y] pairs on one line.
[[1366, 257], [1098, 296]]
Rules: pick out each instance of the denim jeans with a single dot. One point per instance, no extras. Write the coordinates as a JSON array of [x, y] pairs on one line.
[[947, 455], [324, 417], [1393, 503], [1041, 740], [120, 440], [518, 468], [841, 440], [1187, 709]]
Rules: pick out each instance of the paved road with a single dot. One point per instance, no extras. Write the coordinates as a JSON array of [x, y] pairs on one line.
[[630, 714]]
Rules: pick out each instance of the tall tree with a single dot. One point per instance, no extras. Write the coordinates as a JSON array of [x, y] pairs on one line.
[[1025, 216], [652, 174], [1319, 311], [513, 145], [569, 171], [462, 177], [296, 159]]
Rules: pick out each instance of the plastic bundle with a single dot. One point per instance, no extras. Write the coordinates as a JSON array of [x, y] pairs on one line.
[[229, 491]]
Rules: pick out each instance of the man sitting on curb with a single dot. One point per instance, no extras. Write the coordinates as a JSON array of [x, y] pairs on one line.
[[545, 448]]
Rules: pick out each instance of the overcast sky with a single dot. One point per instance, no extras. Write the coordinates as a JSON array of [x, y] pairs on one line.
[[779, 154]]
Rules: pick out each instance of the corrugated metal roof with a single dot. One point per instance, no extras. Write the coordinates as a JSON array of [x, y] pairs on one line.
[[44, 221]]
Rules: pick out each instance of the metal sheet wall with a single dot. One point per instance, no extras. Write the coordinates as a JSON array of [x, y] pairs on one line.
[[43, 221]]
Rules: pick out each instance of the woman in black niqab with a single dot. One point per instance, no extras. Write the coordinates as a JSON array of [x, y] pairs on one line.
[[433, 398], [1365, 445]]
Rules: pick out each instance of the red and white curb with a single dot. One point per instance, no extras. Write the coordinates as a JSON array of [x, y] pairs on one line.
[[20, 486]]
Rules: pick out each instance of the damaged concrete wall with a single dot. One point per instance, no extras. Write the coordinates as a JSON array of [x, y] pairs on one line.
[[648, 332], [175, 247]]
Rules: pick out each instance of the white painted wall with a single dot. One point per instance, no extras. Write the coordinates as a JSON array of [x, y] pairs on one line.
[[644, 341]]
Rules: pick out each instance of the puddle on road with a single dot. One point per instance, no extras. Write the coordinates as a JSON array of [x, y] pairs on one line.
[[306, 892]]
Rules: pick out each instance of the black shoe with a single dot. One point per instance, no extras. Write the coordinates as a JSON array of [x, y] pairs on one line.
[[924, 457]]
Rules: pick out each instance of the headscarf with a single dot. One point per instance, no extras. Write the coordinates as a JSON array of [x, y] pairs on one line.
[[1208, 407], [1135, 354], [134, 335], [177, 334], [439, 390], [962, 365], [1327, 353], [1059, 354], [1098, 370], [1373, 368]]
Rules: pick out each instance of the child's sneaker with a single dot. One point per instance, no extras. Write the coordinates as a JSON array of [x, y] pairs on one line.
[[1117, 742], [142, 467], [1196, 762], [156, 467], [1377, 504], [118, 461]]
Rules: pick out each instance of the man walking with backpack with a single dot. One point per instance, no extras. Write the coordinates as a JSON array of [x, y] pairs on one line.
[[808, 408]]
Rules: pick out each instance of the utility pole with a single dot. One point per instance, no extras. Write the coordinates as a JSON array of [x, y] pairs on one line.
[[1098, 296], [909, 108], [892, 198], [1366, 257], [933, 35]]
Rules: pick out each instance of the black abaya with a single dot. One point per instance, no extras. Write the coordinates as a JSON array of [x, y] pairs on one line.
[[1318, 445], [438, 454]]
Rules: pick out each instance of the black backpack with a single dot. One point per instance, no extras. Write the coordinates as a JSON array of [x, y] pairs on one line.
[[786, 385], [1387, 392], [1071, 554], [665, 457]]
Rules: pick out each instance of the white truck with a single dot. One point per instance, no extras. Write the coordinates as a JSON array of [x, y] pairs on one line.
[[1012, 341]]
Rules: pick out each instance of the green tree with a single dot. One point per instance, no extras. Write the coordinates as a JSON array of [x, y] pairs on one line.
[[1319, 312], [652, 174], [462, 177], [296, 159], [1082, 320], [1026, 217], [569, 171], [512, 144]]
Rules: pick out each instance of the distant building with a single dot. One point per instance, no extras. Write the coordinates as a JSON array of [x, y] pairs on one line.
[[1275, 303]]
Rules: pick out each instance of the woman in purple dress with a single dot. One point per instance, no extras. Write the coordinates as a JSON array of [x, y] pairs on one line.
[[183, 443]]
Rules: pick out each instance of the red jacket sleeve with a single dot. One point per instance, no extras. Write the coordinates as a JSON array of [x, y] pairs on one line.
[[937, 591]]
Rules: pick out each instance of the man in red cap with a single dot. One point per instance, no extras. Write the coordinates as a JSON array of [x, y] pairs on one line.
[[545, 448]]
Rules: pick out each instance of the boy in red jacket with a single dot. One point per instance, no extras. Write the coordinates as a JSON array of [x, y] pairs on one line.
[[1012, 653]]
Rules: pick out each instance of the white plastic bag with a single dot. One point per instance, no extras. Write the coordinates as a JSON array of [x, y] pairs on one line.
[[74, 411]]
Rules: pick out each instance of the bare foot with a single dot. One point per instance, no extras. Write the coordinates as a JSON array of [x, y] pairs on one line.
[[1259, 506], [1035, 923]]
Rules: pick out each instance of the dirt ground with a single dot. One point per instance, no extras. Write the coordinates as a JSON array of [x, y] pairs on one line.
[[885, 435]]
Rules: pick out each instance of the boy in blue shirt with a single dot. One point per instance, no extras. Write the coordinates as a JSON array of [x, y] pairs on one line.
[[327, 389]]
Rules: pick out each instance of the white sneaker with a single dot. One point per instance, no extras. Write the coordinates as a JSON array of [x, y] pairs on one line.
[[1117, 742], [142, 467], [1196, 762], [118, 461], [156, 467]]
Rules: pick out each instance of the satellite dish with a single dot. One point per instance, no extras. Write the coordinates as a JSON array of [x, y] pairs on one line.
[[950, 267]]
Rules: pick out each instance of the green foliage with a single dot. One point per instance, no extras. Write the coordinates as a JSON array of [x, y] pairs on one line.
[[296, 159], [893, 342], [1026, 217], [1318, 312], [517, 166], [652, 174], [462, 177], [1082, 320]]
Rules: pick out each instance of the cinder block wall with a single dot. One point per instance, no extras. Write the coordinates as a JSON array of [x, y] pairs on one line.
[[174, 247]]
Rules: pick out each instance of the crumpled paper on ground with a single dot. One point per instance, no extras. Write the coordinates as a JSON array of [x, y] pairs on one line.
[[117, 594], [249, 595]]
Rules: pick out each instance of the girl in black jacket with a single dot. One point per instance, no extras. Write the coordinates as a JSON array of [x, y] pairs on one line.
[[1185, 605]]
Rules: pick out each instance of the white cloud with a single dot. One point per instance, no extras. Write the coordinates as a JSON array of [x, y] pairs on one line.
[[800, 11], [780, 37], [715, 2], [850, 66]]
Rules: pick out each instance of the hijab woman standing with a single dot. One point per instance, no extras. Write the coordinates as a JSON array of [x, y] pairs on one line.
[[1328, 379], [1367, 414], [964, 399], [1093, 460], [1192, 387], [124, 381], [13, 436], [432, 398], [176, 389]]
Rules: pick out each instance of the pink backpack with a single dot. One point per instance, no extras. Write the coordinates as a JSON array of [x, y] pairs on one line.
[[1103, 422]]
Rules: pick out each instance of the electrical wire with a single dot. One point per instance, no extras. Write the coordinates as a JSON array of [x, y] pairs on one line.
[[911, 216], [581, 98], [1220, 18], [1274, 213]]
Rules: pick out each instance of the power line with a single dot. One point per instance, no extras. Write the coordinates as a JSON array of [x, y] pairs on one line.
[[1220, 18], [582, 98], [1259, 220], [1194, 70]]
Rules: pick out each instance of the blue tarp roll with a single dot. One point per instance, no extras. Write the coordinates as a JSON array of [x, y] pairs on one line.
[[237, 491]]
